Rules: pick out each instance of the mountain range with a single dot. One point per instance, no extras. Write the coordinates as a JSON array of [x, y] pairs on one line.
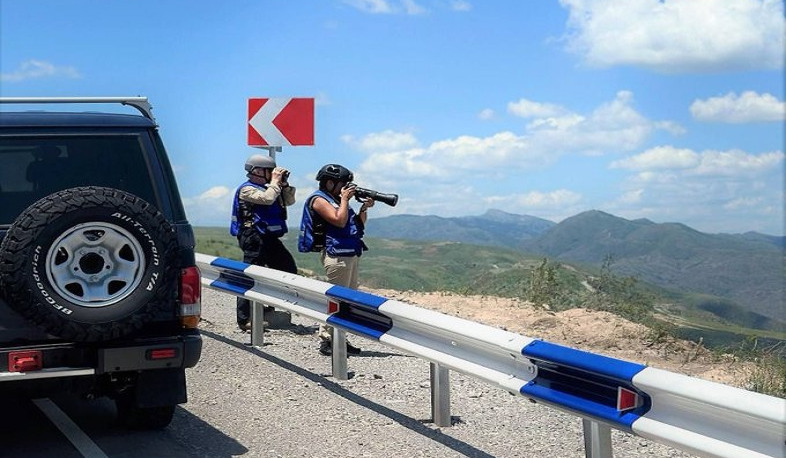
[[747, 269]]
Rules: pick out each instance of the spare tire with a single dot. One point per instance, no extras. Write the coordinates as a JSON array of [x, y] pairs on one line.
[[90, 264]]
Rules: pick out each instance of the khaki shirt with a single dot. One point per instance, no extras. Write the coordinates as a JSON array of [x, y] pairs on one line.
[[269, 195]]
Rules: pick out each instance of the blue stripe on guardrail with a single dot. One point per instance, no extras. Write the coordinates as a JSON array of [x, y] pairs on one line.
[[230, 264], [579, 404], [582, 360], [356, 297], [583, 381], [231, 277], [368, 328], [359, 312], [233, 282]]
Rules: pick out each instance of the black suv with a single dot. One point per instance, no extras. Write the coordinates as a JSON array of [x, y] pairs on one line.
[[99, 291]]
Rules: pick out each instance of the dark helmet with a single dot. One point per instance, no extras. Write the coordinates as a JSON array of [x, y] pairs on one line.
[[334, 172]]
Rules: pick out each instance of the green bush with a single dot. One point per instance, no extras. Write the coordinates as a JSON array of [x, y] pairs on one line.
[[769, 376]]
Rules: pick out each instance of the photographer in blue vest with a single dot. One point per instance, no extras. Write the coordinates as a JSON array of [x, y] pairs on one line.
[[332, 228], [259, 219]]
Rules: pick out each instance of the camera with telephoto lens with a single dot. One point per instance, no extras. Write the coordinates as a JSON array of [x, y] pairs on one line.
[[363, 193]]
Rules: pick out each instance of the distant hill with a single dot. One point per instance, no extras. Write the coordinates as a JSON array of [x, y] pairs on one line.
[[494, 227], [408, 265], [747, 269]]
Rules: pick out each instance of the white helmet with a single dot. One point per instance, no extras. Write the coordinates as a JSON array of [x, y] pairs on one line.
[[260, 160]]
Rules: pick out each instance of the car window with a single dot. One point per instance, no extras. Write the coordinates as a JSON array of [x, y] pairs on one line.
[[33, 167]]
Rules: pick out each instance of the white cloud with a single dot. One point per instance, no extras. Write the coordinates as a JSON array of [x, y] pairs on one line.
[[671, 127], [614, 127], [661, 157], [560, 123], [216, 192], [535, 200], [737, 163], [674, 36], [409, 7], [528, 109], [371, 6], [33, 69], [469, 153], [710, 162], [745, 202], [747, 107], [460, 5], [734, 190], [486, 114], [412, 8], [382, 141], [211, 208], [446, 161], [633, 196]]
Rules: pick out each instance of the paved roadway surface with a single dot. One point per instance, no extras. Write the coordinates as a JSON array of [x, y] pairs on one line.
[[281, 401]]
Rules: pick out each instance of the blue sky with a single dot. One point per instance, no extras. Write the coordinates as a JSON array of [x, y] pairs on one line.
[[668, 110]]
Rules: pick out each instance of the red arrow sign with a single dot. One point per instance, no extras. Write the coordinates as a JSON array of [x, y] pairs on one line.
[[281, 122]]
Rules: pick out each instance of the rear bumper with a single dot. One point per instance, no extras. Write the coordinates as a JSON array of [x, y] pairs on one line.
[[71, 360], [185, 352]]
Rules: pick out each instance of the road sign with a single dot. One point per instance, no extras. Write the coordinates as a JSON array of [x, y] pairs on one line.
[[281, 122]]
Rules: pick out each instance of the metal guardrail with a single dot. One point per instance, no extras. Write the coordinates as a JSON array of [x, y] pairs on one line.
[[690, 414]]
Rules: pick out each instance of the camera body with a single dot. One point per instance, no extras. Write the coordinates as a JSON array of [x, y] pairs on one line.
[[284, 176]]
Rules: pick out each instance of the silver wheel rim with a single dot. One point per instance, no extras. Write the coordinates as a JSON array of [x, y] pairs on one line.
[[95, 264]]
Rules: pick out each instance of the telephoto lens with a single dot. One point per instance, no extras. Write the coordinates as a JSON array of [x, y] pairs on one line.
[[390, 199]]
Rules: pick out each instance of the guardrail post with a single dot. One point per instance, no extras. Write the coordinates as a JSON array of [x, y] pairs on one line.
[[440, 395], [339, 354], [257, 324], [597, 440]]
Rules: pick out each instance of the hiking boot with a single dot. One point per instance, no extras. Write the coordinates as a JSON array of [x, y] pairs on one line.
[[246, 327], [352, 350], [326, 348]]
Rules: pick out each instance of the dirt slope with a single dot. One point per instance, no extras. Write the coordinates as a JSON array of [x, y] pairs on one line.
[[594, 331]]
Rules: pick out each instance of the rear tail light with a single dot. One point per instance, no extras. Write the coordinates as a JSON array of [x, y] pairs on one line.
[[190, 297], [161, 353], [23, 361]]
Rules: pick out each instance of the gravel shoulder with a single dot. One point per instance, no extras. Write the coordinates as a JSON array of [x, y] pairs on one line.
[[281, 401]]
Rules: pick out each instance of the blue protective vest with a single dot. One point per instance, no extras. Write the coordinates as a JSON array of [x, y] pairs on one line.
[[267, 219], [338, 241]]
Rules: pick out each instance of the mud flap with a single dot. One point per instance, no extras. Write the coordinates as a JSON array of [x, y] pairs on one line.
[[162, 387]]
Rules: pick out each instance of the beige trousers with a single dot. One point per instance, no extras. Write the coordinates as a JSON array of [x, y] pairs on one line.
[[342, 271]]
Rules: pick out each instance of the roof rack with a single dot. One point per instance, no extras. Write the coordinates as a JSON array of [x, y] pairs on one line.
[[140, 103]]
